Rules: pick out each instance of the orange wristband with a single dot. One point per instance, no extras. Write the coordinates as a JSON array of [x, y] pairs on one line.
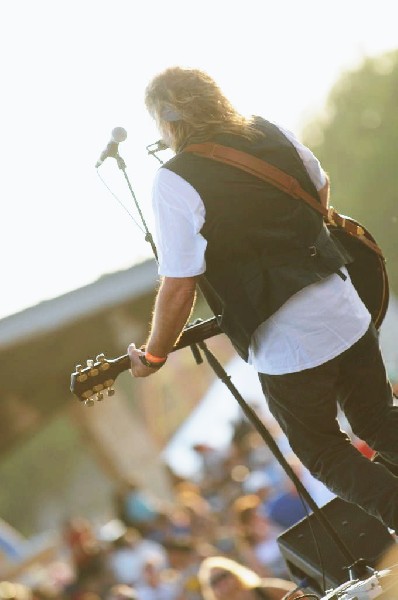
[[154, 359]]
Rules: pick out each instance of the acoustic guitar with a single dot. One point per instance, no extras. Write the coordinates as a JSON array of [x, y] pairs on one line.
[[368, 274]]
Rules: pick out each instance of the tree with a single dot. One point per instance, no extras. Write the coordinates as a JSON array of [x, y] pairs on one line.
[[356, 140]]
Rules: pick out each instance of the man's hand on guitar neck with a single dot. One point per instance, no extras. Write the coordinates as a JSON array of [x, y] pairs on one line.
[[138, 368], [173, 306]]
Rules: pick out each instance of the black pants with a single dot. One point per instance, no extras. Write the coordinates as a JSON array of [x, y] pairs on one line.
[[305, 405]]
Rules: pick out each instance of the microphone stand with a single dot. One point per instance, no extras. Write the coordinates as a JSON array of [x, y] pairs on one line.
[[357, 568], [148, 236]]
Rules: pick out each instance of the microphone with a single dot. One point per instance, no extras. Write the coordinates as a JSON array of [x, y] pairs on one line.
[[119, 134]]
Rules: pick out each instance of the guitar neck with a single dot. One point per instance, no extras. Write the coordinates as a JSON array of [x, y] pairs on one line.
[[192, 334], [100, 375]]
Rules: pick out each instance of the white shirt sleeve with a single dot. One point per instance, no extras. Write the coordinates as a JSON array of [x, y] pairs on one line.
[[311, 163], [179, 216]]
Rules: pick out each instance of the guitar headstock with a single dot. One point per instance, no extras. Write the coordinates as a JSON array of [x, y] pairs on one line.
[[97, 378], [100, 374]]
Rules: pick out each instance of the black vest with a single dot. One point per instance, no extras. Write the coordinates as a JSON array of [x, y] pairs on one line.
[[263, 246]]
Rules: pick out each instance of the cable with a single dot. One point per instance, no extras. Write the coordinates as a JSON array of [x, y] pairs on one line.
[[121, 203], [315, 539]]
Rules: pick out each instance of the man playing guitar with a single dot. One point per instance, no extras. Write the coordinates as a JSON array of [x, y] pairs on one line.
[[278, 280]]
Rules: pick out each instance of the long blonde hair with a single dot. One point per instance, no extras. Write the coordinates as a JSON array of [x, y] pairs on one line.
[[198, 106], [247, 578]]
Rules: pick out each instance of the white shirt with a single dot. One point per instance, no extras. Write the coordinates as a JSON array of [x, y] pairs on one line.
[[313, 326]]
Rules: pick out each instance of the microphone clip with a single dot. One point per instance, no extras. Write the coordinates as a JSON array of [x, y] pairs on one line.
[[156, 147]]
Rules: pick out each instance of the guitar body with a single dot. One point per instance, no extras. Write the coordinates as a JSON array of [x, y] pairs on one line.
[[367, 271]]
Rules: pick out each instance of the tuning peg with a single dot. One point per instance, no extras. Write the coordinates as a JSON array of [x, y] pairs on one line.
[[80, 375], [111, 391], [93, 372], [104, 364], [89, 402], [100, 396]]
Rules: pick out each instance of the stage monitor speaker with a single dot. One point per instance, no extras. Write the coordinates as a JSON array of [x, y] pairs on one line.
[[310, 552]]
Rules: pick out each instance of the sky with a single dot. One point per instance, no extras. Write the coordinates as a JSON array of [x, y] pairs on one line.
[[73, 70]]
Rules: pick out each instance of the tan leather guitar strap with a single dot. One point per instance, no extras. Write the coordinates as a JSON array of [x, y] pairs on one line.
[[284, 182]]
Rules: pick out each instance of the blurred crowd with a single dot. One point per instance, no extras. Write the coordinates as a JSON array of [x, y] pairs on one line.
[[217, 540]]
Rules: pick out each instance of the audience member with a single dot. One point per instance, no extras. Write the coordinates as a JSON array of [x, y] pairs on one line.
[[257, 538], [122, 592], [129, 553], [184, 558], [14, 591], [156, 583], [221, 578], [136, 507]]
